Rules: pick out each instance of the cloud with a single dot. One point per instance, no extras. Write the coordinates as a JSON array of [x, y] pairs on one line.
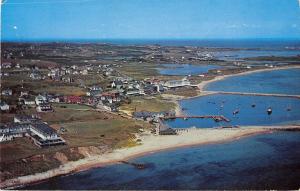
[[15, 27]]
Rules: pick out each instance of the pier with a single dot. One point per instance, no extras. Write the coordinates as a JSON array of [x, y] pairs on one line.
[[214, 117], [252, 94], [164, 129]]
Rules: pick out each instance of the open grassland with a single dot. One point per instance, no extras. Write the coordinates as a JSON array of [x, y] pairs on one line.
[[152, 104], [41, 86], [139, 70]]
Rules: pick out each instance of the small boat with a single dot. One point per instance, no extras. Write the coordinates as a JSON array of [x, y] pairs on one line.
[[253, 105], [217, 119], [289, 108], [235, 111], [269, 111], [185, 118]]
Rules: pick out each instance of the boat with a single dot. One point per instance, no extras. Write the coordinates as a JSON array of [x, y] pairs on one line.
[[269, 111], [235, 111], [253, 105]]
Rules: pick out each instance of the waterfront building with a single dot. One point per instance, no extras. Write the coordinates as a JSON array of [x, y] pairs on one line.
[[177, 83]]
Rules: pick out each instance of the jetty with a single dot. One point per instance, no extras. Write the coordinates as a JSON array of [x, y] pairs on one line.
[[136, 165], [252, 94], [214, 117]]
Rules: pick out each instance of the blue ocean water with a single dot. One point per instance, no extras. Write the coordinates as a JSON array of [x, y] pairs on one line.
[[276, 81], [185, 69], [225, 104], [267, 161]]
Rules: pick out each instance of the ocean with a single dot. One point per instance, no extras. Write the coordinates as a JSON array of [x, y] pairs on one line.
[[267, 161]]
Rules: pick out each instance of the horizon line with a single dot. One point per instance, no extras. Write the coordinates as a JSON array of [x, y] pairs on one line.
[[53, 40]]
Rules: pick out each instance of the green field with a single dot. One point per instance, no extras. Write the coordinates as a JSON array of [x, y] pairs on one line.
[[152, 104]]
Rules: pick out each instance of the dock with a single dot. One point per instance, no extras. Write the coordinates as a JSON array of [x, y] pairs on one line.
[[214, 117], [252, 94]]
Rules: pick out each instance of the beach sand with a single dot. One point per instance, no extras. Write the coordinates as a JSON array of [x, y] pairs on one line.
[[149, 144]]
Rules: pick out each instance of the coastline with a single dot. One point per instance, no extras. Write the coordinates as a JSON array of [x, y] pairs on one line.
[[150, 144]]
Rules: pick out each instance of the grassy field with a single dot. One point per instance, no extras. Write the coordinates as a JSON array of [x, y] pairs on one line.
[[153, 104], [139, 70]]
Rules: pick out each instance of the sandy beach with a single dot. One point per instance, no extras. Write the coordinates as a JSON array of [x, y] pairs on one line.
[[149, 144]]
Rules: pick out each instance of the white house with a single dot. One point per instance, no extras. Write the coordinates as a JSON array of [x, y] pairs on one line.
[[40, 99], [4, 106]]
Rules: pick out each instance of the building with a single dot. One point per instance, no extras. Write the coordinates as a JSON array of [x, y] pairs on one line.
[[44, 107], [4, 106], [29, 126], [94, 91], [27, 100], [73, 99], [24, 119], [177, 83], [6, 92], [111, 97], [43, 135], [40, 99], [13, 130], [6, 65], [117, 84], [35, 76]]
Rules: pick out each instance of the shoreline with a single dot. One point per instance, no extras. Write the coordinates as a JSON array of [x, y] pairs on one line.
[[201, 86], [150, 144], [153, 144]]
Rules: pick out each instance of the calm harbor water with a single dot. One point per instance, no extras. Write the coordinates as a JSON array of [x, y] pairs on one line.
[[185, 69], [225, 104], [276, 81], [268, 161]]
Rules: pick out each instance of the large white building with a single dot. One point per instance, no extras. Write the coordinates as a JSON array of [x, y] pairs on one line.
[[177, 83], [40, 132]]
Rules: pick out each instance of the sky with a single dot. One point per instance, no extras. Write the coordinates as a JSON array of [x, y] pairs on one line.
[[149, 19]]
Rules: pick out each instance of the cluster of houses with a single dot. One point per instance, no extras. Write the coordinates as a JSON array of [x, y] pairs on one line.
[[152, 116], [120, 88], [33, 127], [67, 73]]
